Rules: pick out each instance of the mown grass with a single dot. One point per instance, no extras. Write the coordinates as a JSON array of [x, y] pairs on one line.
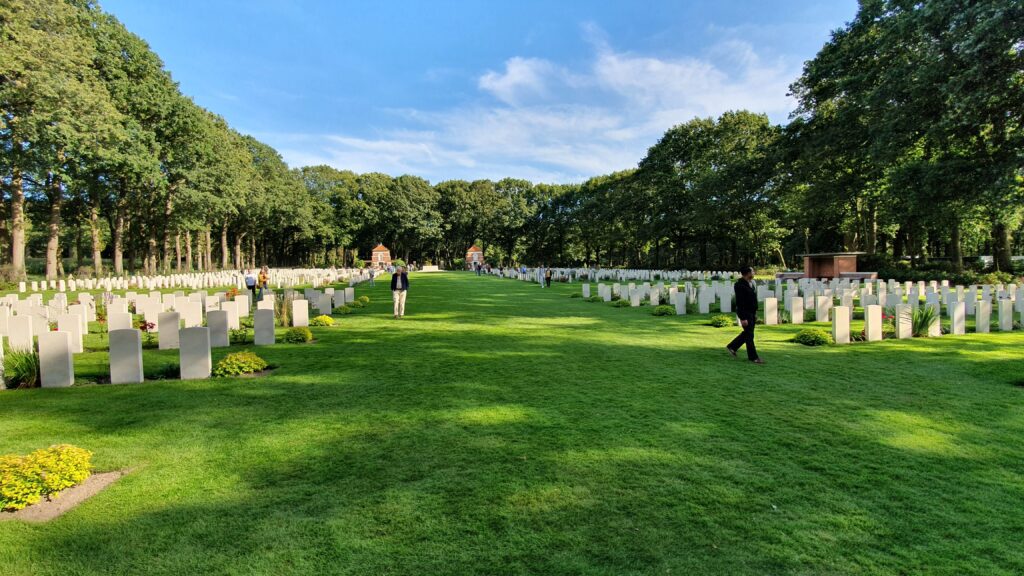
[[505, 429]]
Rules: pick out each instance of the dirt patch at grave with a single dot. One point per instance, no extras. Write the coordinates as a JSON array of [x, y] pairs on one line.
[[61, 503]]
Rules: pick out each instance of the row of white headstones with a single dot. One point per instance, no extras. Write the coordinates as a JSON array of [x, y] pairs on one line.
[[176, 318], [278, 278], [821, 295]]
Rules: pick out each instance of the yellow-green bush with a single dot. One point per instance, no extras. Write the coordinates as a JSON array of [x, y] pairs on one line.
[[238, 363], [323, 320], [24, 480], [298, 335]]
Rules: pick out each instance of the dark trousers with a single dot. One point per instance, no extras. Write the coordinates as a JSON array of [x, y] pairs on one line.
[[746, 337], [253, 290]]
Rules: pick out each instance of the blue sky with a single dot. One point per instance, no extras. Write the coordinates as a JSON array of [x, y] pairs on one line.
[[551, 91]]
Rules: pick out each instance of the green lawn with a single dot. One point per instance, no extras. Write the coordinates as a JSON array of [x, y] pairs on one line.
[[505, 429]]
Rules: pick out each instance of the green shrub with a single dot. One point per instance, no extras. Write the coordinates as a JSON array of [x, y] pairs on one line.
[[664, 310], [163, 372], [922, 320], [722, 321], [576, 295], [24, 480], [619, 303], [364, 299], [238, 363], [323, 320], [813, 337], [342, 310], [595, 299], [298, 335], [239, 336], [245, 322], [21, 369], [356, 304], [398, 262]]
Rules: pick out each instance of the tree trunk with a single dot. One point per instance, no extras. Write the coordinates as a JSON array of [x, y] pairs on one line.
[[165, 264], [871, 233], [1002, 247], [208, 246], [955, 247], [94, 234], [238, 250], [224, 246], [152, 257], [17, 223], [252, 252], [118, 238], [56, 195], [177, 252], [188, 250]]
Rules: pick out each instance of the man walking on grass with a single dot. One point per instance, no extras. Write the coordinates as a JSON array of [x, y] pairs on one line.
[[399, 287], [746, 309]]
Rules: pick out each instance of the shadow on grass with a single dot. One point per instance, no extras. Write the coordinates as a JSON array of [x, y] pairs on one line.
[[569, 438]]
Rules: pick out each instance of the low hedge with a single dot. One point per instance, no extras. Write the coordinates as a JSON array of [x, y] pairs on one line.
[[664, 310], [342, 310], [619, 304], [356, 304], [322, 320], [364, 299], [595, 299], [813, 337], [298, 335], [238, 363], [722, 321], [24, 480]]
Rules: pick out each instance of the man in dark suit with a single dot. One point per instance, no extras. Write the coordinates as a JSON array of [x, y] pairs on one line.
[[399, 288], [746, 309]]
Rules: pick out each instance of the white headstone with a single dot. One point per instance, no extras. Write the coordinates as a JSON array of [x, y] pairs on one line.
[[680, 303], [20, 333], [1005, 315], [771, 311], [904, 321], [873, 323], [300, 312], [72, 324], [324, 304], [983, 317], [194, 354], [796, 313], [217, 322], [263, 324], [958, 316], [935, 328], [126, 356], [119, 321], [841, 324], [232, 310], [822, 304], [56, 365], [170, 324], [191, 313]]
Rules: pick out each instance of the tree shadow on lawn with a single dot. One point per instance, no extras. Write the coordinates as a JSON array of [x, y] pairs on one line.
[[514, 488], [545, 451]]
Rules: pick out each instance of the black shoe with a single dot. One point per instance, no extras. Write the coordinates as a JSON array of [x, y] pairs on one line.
[[758, 361], [731, 351]]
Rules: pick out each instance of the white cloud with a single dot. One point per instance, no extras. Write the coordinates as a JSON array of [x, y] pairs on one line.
[[523, 77], [554, 124]]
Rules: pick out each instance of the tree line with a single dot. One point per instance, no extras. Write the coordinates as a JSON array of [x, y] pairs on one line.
[[906, 143]]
